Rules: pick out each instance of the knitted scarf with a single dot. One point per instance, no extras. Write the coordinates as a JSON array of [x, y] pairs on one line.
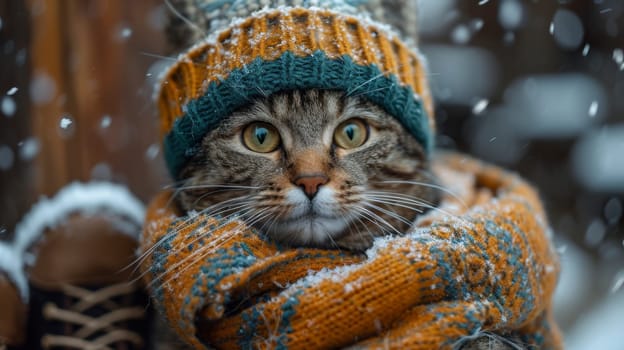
[[483, 262]]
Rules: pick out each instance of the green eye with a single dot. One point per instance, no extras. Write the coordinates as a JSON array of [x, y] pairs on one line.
[[261, 137], [351, 134]]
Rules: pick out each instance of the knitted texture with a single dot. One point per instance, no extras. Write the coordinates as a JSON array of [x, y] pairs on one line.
[[483, 262], [289, 48]]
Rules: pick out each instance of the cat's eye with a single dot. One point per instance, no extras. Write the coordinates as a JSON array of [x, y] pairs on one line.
[[351, 134], [261, 137]]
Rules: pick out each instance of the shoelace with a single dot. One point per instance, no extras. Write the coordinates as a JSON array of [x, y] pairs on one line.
[[106, 324]]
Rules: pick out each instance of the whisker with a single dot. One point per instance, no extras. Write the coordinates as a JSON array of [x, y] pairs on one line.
[[380, 219], [400, 199], [206, 250], [351, 91], [186, 20], [394, 202], [172, 59], [208, 246], [203, 252], [430, 185], [389, 213]]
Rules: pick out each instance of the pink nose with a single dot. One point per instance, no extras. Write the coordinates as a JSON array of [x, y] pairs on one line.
[[311, 183]]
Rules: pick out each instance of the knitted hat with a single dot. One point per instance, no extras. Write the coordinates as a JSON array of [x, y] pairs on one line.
[[260, 47]]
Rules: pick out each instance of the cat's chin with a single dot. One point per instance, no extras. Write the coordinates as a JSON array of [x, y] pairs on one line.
[[314, 230]]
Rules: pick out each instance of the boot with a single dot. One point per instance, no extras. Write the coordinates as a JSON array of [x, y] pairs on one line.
[[84, 293]]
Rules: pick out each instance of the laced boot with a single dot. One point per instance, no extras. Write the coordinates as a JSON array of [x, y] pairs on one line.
[[84, 293]]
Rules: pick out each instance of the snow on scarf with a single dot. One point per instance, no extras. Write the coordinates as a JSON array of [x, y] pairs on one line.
[[484, 262]]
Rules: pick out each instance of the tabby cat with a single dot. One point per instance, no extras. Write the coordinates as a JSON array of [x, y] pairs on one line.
[[312, 168]]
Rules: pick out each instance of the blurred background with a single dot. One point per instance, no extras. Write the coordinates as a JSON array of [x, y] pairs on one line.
[[536, 86]]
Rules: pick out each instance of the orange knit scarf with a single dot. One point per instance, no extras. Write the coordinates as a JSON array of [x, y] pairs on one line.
[[484, 262]]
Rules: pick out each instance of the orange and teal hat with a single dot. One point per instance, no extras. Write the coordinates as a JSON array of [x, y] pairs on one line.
[[261, 47]]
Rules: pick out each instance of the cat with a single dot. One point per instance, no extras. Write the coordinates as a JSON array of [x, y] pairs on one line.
[[308, 183], [312, 168]]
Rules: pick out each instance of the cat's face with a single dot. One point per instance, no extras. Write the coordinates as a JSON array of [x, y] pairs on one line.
[[312, 168]]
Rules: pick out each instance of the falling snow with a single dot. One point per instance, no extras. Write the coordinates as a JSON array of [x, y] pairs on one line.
[[66, 122], [66, 126], [12, 91], [593, 109], [480, 106], [8, 106], [125, 33], [42, 88], [613, 211], [586, 49], [595, 233], [567, 29], [152, 151], [106, 121], [461, 34], [511, 14], [29, 148], [618, 282], [618, 57]]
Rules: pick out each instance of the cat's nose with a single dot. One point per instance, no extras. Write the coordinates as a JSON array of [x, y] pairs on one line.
[[311, 183]]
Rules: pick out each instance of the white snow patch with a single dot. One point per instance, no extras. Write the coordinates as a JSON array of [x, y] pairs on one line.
[[11, 263], [87, 198]]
